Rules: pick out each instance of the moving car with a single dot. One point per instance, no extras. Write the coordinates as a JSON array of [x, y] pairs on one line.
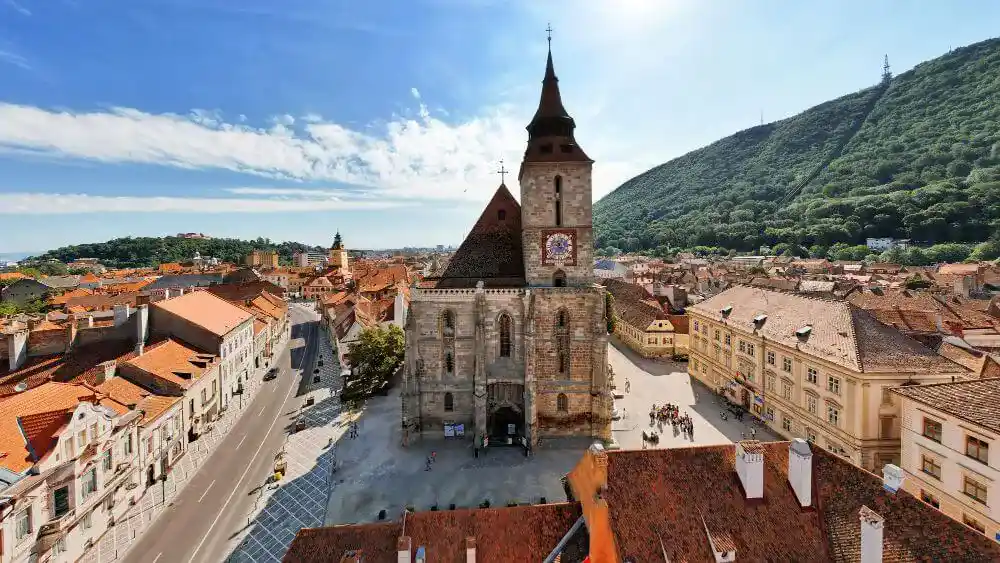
[[271, 374]]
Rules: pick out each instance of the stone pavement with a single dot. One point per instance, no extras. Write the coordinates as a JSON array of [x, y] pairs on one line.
[[665, 381], [299, 500], [116, 541]]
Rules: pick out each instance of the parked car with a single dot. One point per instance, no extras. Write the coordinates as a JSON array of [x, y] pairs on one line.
[[271, 374]]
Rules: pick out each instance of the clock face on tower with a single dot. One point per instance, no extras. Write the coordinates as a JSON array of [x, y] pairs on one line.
[[559, 247]]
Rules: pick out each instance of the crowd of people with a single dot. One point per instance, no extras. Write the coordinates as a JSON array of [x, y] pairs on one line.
[[659, 416]]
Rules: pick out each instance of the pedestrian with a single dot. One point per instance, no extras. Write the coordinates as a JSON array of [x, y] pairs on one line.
[[427, 466], [743, 435], [753, 433], [433, 457], [628, 385]]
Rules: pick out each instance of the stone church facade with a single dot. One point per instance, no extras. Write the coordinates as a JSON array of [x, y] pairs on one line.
[[510, 341]]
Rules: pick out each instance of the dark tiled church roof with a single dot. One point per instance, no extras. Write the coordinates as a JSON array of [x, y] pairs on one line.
[[491, 252]]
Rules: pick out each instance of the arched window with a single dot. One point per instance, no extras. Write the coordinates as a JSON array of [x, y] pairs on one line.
[[449, 402], [562, 340], [449, 362], [558, 187], [562, 403], [559, 279], [448, 323], [505, 329]]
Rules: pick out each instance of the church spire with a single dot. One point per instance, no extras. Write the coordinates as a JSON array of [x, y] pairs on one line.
[[550, 133]]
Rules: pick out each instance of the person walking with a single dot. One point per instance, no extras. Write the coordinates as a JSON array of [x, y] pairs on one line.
[[753, 433], [628, 385]]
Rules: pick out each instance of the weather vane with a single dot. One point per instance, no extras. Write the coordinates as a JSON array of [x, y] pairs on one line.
[[502, 172], [548, 30]]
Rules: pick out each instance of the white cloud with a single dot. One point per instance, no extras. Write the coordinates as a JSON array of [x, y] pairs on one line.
[[59, 204], [415, 93], [14, 59], [18, 8], [422, 157]]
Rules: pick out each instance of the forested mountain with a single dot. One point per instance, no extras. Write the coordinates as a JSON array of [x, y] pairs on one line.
[[916, 156], [152, 251]]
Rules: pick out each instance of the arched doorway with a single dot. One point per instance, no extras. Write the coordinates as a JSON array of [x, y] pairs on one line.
[[150, 475], [506, 422]]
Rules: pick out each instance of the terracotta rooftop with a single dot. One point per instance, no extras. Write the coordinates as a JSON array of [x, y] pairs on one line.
[[81, 363], [975, 401], [523, 533], [672, 495], [633, 303], [206, 310], [39, 410], [171, 358], [839, 332], [492, 251]]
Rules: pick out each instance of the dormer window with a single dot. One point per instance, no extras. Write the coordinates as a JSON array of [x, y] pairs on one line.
[[566, 148], [804, 332], [758, 321], [502, 215], [545, 149], [726, 310]]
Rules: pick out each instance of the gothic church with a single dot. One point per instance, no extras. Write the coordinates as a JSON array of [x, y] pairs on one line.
[[510, 341]]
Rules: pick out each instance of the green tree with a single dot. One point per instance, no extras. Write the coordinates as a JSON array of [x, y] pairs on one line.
[[609, 311], [376, 355]]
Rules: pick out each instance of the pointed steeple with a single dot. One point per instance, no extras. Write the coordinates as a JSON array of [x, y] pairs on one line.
[[337, 242], [550, 133]]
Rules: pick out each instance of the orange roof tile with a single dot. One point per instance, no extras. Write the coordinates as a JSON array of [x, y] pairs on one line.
[[48, 398], [206, 310], [171, 358]]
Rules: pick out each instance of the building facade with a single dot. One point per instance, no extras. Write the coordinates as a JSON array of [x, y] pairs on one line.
[[950, 450], [811, 368], [510, 341], [263, 259]]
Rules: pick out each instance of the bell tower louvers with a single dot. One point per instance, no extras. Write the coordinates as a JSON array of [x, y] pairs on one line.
[[556, 195]]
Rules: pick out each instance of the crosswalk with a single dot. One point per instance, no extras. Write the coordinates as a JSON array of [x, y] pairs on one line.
[[116, 541]]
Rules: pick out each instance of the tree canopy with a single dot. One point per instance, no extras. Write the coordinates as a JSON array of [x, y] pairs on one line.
[[915, 158], [132, 252], [375, 356]]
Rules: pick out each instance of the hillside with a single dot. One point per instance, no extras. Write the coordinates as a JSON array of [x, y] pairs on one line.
[[917, 157], [152, 251]]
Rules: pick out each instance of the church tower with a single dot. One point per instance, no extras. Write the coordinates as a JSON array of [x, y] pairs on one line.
[[556, 195]]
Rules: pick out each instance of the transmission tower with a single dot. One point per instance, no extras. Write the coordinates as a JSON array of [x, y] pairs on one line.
[[886, 73]]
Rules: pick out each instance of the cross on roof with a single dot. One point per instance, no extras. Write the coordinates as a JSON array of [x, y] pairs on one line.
[[548, 30], [502, 172]]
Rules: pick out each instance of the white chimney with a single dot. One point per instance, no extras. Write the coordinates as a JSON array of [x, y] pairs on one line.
[[871, 535], [89, 321], [17, 349], [403, 550], [470, 550], [750, 467], [166, 294], [800, 470], [892, 477], [121, 314], [141, 328]]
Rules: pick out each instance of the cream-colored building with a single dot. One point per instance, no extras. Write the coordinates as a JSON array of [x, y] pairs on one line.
[[265, 259], [640, 322], [950, 450], [812, 368]]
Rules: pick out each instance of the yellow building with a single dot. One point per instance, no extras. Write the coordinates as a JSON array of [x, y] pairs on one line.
[[338, 255], [262, 259], [812, 368], [951, 451], [642, 324]]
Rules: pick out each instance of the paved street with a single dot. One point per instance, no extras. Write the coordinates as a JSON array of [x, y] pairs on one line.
[[206, 514], [665, 381]]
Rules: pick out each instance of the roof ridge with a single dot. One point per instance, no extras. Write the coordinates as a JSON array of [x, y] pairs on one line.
[[854, 334]]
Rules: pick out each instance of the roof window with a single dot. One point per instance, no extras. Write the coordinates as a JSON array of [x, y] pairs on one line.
[[759, 319], [804, 332], [726, 310]]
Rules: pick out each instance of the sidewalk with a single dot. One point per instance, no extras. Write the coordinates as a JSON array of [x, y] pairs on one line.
[[300, 499], [116, 541]]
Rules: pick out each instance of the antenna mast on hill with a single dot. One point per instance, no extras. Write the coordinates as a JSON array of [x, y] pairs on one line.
[[761, 117], [886, 73]]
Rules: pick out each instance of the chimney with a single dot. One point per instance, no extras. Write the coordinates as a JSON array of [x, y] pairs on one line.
[[71, 328], [89, 321], [166, 294], [141, 299], [121, 314], [106, 371], [17, 348], [750, 467], [403, 550], [470, 550], [141, 328], [800, 470], [871, 535], [892, 478]]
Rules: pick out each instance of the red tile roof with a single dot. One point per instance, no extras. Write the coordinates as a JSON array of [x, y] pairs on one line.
[[206, 310], [672, 495], [36, 408], [524, 533]]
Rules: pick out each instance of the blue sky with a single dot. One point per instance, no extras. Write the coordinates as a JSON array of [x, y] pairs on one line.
[[385, 120]]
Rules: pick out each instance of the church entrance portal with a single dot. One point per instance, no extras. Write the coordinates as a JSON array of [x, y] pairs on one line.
[[505, 408]]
